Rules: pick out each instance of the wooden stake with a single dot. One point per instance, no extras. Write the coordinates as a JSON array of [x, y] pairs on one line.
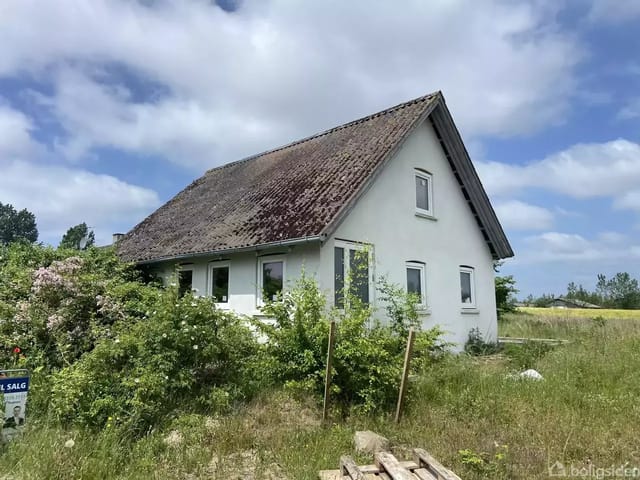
[[405, 374], [327, 377]]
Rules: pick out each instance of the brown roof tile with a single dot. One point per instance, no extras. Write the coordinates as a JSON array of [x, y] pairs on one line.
[[293, 192]]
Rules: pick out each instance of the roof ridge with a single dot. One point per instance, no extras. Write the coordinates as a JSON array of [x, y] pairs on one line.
[[366, 118]]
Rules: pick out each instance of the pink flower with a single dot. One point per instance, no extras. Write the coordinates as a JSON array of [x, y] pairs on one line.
[[54, 321]]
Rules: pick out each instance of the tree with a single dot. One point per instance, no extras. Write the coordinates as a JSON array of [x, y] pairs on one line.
[[17, 225], [623, 291], [620, 291], [578, 292], [505, 291], [78, 237]]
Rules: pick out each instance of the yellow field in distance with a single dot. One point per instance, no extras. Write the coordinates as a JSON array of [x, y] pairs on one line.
[[580, 312]]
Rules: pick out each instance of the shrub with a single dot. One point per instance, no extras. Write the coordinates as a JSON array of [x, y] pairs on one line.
[[487, 465], [368, 355], [56, 304], [476, 345], [185, 355]]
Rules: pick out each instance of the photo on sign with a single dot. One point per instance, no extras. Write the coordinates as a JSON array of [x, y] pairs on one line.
[[13, 395], [14, 410]]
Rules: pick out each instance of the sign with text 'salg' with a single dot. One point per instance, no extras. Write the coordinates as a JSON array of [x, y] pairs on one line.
[[14, 386]]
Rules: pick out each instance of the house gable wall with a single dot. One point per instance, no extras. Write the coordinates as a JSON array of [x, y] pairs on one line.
[[385, 217]]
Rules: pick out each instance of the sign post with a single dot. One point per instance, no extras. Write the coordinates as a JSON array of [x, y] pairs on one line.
[[14, 386]]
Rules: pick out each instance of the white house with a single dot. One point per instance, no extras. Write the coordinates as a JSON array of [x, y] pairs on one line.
[[399, 183]]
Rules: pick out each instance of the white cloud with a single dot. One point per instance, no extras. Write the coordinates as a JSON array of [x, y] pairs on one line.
[[581, 171], [614, 11], [61, 197], [273, 71], [606, 248], [517, 215], [180, 129], [612, 238], [15, 127], [629, 200]]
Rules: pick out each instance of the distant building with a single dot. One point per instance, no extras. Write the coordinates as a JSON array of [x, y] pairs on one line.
[[562, 302]]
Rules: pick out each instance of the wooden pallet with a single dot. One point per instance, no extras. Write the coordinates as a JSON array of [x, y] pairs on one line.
[[387, 467], [519, 340]]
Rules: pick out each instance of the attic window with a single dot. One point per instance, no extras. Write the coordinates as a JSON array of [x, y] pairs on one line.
[[424, 193]]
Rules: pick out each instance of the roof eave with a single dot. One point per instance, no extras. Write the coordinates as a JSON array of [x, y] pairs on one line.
[[229, 251], [470, 183]]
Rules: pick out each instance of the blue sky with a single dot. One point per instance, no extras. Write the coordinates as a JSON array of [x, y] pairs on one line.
[[110, 107]]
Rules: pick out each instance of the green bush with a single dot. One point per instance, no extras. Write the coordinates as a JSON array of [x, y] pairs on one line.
[[477, 345], [368, 355], [55, 305], [121, 353], [185, 355]]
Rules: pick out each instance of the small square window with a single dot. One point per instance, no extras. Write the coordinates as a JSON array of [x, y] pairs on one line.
[[467, 287], [424, 193], [416, 283], [219, 282]]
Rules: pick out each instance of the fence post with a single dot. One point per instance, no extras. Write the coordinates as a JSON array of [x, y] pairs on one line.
[[405, 374], [327, 377]]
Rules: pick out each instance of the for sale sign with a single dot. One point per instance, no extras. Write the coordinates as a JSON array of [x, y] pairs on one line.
[[14, 386]]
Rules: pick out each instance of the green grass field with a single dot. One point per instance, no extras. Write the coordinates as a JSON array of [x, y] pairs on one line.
[[469, 412]]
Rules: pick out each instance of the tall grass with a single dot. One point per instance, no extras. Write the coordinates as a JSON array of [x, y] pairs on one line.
[[469, 412]]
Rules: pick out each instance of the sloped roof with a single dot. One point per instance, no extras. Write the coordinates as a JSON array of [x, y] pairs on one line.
[[301, 191], [575, 302]]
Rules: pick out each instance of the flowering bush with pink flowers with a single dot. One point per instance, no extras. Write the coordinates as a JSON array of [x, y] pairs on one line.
[[56, 305], [110, 345]]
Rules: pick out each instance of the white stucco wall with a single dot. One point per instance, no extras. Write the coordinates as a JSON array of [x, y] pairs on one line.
[[385, 217], [243, 273]]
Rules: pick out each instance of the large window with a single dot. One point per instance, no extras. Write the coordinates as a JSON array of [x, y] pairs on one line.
[[416, 282], [467, 287], [352, 272], [271, 276], [219, 282], [185, 280], [424, 193]]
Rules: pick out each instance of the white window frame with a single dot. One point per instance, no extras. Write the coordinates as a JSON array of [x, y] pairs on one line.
[[422, 267], [211, 266], [269, 259], [472, 281], [347, 245], [417, 173]]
